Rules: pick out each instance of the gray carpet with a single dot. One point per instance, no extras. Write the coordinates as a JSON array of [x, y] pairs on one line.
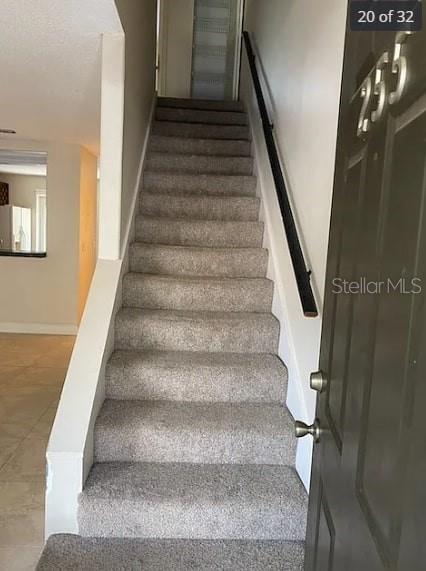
[[72, 553], [194, 448]]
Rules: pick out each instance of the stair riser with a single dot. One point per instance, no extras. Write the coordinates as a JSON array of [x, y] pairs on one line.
[[200, 116], [155, 333], [199, 184], [200, 208], [204, 104], [129, 444], [196, 383], [233, 520], [201, 262], [200, 131], [154, 292], [197, 164], [199, 233], [199, 146]]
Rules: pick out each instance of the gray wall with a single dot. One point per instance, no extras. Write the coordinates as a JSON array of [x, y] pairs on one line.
[[138, 18]]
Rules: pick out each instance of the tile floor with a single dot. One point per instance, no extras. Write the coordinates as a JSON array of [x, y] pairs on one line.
[[32, 371]]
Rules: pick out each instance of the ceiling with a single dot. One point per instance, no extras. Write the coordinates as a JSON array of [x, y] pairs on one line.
[[50, 66]]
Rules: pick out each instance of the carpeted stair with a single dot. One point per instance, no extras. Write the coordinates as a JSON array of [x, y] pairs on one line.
[[194, 449]]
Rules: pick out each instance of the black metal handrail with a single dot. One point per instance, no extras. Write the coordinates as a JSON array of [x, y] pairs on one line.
[[299, 266]]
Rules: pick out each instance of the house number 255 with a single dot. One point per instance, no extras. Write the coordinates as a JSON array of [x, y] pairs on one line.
[[378, 89]]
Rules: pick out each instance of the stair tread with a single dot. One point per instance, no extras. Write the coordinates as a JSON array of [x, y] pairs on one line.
[[198, 260], [72, 552], [266, 418], [197, 293], [202, 207], [199, 156], [198, 164], [201, 376], [201, 130], [199, 232], [202, 222], [174, 500], [206, 184], [206, 316], [213, 198], [165, 431], [199, 146], [184, 330], [206, 176], [188, 483]]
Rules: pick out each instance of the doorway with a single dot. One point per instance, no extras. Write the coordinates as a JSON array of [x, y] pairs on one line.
[[216, 49], [199, 48]]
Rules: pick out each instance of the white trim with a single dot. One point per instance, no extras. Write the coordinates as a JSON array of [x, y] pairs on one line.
[[39, 328], [70, 451], [39, 228]]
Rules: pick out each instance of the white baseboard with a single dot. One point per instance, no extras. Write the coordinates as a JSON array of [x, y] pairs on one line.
[[39, 328]]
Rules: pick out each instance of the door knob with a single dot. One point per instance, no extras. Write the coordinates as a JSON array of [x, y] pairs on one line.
[[301, 429], [318, 382]]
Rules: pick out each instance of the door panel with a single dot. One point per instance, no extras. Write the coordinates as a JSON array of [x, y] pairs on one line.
[[326, 535], [216, 25], [336, 395], [367, 502]]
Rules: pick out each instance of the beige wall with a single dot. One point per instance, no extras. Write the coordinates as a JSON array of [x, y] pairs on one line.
[[177, 23], [22, 193], [43, 291], [139, 24], [47, 294], [88, 224]]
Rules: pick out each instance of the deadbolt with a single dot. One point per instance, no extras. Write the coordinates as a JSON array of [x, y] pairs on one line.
[[318, 382], [301, 429]]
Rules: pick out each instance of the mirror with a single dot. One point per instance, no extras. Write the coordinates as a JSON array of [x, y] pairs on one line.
[[23, 203]]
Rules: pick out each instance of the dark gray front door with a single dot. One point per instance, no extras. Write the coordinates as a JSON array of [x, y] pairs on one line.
[[368, 494]]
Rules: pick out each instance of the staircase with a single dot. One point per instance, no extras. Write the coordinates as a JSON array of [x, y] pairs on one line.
[[194, 450]]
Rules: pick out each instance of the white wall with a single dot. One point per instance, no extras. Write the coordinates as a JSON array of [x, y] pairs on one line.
[[299, 45], [176, 38]]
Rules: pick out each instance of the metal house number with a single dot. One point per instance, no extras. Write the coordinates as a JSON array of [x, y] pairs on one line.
[[378, 89]]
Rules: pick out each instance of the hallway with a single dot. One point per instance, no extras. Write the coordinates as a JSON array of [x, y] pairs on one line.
[[32, 371]]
